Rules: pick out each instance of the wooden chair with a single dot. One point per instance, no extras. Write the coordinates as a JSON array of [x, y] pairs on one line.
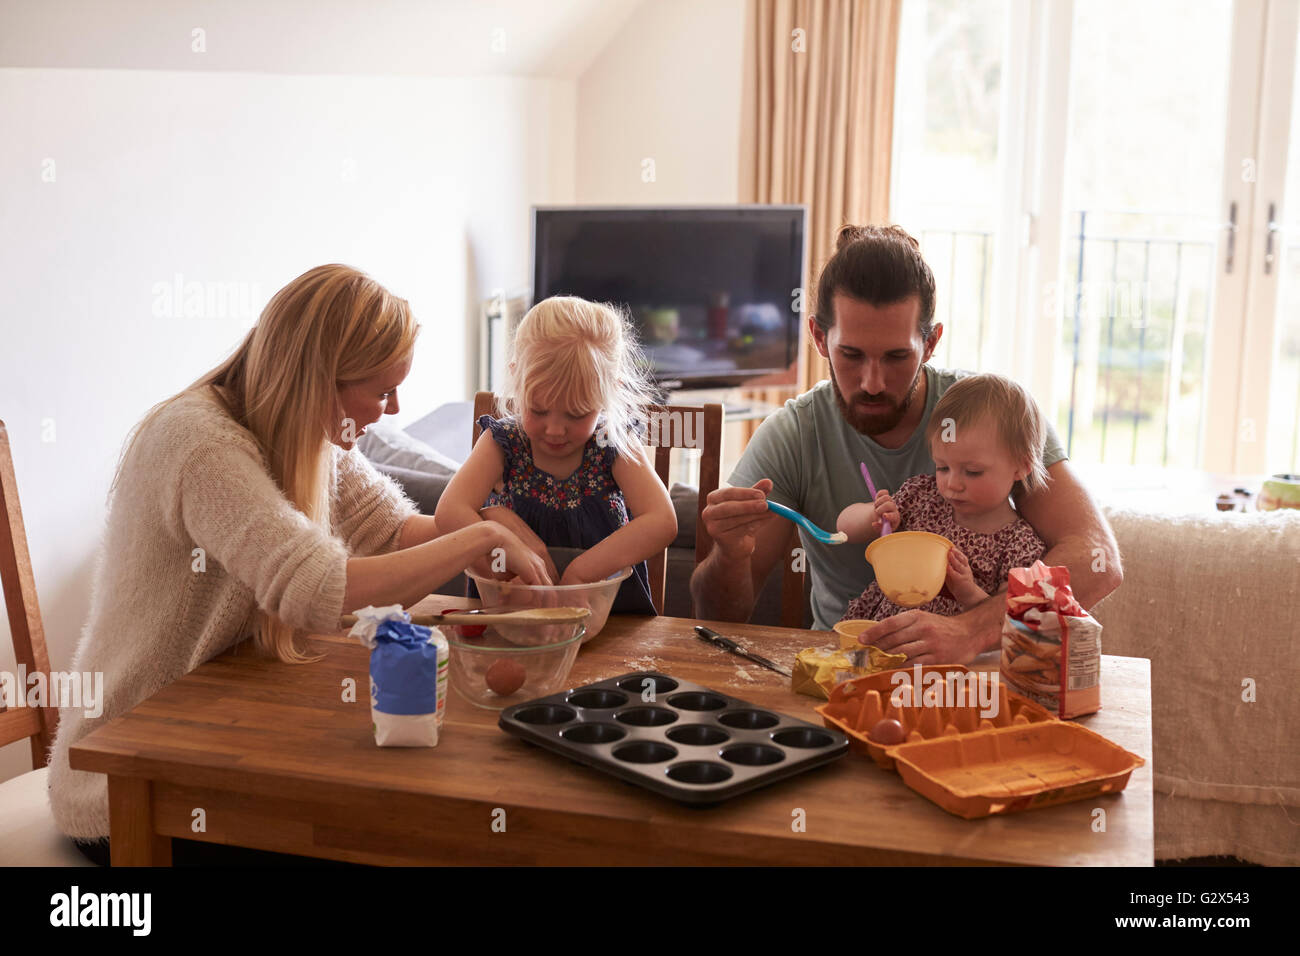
[[794, 586], [28, 834], [704, 432]]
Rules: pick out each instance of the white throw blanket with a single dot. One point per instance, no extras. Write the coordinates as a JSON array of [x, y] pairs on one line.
[[1213, 601]]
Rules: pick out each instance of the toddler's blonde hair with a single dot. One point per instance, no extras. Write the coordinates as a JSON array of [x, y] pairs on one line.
[[1019, 422], [579, 356]]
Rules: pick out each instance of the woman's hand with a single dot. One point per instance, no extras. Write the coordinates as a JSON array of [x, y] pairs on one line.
[[961, 580], [886, 510], [523, 532], [519, 558]]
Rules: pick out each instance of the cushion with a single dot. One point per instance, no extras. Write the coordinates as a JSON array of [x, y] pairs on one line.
[[28, 835], [423, 488], [385, 445], [685, 498], [446, 428]]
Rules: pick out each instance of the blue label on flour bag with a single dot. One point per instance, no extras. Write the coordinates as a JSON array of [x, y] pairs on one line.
[[408, 676], [404, 669]]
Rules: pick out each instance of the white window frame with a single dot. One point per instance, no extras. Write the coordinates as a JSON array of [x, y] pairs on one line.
[[1031, 157], [1275, 82], [1027, 285]]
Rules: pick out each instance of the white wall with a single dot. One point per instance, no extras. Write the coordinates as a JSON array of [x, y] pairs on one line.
[[667, 87], [232, 178], [249, 171]]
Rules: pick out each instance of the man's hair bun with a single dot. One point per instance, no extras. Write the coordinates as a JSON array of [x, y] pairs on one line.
[[849, 234]]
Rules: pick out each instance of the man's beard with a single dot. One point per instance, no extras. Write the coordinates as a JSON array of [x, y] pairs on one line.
[[874, 423]]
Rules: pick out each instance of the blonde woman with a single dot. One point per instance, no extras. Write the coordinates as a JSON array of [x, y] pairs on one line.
[[240, 506]]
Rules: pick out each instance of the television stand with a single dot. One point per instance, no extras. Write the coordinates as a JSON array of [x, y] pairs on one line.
[[736, 406]]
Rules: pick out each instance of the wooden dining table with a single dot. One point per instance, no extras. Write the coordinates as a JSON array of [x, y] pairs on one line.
[[258, 753]]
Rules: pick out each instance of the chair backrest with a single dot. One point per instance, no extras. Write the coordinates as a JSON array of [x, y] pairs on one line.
[[795, 610], [485, 403], [37, 723], [668, 427], [794, 585]]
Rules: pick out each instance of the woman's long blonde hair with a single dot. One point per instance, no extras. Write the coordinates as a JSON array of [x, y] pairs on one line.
[[330, 326], [581, 356]]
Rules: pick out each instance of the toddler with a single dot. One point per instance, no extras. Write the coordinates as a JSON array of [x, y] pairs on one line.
[[986, 436]]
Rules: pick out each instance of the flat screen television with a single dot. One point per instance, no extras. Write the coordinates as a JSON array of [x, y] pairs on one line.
[[713, 291]]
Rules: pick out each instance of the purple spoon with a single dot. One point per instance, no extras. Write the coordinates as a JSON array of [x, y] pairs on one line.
[[871, 487]]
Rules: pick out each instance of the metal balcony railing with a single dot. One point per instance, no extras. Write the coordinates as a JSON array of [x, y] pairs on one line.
[[1166, 310], [1135, 309]]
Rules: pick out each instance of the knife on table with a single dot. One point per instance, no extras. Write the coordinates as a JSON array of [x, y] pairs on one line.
[[727, 644]]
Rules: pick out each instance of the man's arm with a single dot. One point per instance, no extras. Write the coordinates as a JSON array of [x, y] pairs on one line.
[[1076, 535], [748, 541]]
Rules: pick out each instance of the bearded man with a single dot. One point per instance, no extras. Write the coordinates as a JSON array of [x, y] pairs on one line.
[[874, 322]]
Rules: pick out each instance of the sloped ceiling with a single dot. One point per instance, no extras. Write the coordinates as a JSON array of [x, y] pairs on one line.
[[540, 38]]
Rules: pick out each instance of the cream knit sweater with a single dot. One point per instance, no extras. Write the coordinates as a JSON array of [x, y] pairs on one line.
[[196, 479]]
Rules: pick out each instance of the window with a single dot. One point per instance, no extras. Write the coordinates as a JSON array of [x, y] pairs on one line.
[[945, 168], [1100, 224]]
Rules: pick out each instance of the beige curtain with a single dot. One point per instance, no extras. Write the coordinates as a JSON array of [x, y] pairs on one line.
[[818, 127]]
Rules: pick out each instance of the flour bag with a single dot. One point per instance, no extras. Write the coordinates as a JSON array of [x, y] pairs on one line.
[[408, 676]]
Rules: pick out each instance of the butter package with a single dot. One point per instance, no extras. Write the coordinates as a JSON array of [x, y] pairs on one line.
[[408, 676], [1051, 646], [817, 670]]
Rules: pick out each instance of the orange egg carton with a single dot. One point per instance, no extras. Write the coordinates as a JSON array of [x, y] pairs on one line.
[[855, 706], [972, 760], [1014, 768]]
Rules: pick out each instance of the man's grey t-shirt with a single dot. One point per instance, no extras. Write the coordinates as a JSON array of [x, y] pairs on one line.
[[811, 454]]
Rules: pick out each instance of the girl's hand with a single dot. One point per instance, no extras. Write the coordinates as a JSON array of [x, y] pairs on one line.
[[961, 580], [574, 574], [887, 510]]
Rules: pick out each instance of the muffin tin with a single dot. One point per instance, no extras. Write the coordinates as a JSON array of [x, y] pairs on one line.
[[691, 743]]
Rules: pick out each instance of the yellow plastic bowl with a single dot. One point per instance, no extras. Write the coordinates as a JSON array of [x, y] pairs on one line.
[[910, 565], [850, 631]]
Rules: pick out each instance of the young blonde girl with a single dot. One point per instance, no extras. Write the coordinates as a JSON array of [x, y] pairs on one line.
[[986, 437], [566, 467]]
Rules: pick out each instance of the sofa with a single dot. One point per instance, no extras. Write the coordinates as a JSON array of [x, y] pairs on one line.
[[1212, 599]]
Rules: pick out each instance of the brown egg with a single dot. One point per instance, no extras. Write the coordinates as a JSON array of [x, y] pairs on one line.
[[887, 732], [505, 676]]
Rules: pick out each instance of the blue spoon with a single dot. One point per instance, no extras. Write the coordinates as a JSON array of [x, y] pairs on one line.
[[825, 537]]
